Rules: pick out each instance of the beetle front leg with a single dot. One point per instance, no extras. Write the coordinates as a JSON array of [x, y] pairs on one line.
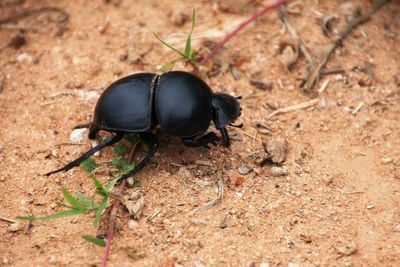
[[210, 138], [107, 142], [225, 137]]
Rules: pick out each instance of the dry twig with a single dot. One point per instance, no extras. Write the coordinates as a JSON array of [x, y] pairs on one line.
[[61, 20], [303, 105], [218, 198], [303, 49], [7, 219], [317, 67], [255, 16]]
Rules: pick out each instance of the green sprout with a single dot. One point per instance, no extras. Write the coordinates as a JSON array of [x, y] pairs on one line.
[[187, 55], [78, 203]]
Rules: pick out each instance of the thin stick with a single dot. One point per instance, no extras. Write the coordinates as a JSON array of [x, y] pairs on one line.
[[62, 21], [324, 85], [357, 109], [217, 199], [312, 77], [303, 49], [303, 105], [241, 26], [250, 135], [8, 219]]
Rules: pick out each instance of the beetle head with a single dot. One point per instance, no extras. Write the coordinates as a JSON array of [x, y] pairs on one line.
[[226, 110]]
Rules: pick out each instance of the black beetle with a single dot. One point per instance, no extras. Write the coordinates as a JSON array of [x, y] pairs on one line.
[[180, 102]]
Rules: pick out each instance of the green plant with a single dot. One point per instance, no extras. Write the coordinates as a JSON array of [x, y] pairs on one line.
[[187, 55], [78, 203]]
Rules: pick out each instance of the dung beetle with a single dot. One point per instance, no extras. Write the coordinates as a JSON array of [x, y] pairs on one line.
[[181, 103]]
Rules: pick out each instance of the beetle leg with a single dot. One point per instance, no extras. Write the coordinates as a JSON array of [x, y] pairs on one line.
[[210, 138], [93, 132], [151, 140], [107, 142], [84, 125], [225, 137]]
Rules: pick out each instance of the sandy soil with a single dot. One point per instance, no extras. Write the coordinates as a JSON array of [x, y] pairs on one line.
[[338, 205]]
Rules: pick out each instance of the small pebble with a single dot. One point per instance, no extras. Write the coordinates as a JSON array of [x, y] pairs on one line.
[[94, 143], [244, 170], [198, 221], [179, 19], [236, 74], [88, 96], [198, 264], [24, 57], [261, 84], [14, 227], [132, 224], [234, 135], [278, 171], [6, 261], [264, 264], [397, 228], [397, 79], [223, 224], [78, 135], [370, 207], [387, 160], [52, 259], [203, 162], [272, 105], [347, 250], [276, 150]]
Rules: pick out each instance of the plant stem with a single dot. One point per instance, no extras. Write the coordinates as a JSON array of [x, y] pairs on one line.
[[113, 218], [113, 215], [242, 25]]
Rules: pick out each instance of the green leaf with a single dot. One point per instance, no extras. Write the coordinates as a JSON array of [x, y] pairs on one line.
[[94, 240], [109, 187], [72, 201], [193, 57], [88, 203], [89, 165], [57, 215], [189, 38], [170, 47], [120, 164], [99, 187], [168, 66], [62, 204], [123, 165], [127, 170], [145, 147], [120, 150], [100, 210], [131, 137], [137, 184]]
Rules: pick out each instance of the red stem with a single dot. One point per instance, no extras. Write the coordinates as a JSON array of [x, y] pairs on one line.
[[255, 16], [113, 217]]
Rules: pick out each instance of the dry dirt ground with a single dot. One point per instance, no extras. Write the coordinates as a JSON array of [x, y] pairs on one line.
[[338, 205]]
